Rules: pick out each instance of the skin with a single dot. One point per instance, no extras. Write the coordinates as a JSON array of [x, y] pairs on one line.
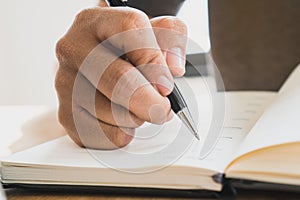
[[148, 85]]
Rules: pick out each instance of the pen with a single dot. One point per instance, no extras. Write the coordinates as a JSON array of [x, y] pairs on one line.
[[177, 101], [179, 106]]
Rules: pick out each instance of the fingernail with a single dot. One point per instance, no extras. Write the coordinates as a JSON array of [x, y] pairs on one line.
[[166, 84], [175, 58]]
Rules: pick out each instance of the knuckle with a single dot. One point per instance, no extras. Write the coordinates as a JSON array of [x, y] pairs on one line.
[[86, 16], [135, 19], [171, 22], [63, 81], [64, 50], [148, 57], [117, 74], [180, 26], [68, 47]]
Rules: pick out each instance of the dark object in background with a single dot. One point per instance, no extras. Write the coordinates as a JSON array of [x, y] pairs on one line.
[[157, 7], [255, 44], [196, 65]]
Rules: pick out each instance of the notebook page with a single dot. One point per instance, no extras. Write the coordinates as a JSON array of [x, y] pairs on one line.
[[292, 82], [280, 122], [243, 109]]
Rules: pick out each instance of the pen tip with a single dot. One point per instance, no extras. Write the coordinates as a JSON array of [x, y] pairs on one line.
[[197, 136], [187, 119]]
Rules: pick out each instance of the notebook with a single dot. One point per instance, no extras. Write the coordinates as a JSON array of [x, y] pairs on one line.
[[259, 143]]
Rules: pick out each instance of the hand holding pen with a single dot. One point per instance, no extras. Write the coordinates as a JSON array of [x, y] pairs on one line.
[[178, 104], [124, 97]]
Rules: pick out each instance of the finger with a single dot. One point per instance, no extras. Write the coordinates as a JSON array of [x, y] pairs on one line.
[[85, 35], [89, 132], [64, 81], [171, 34], [92, 100], [85, 132], [103, 3], [128, 25], [123, 84], [98, 105]]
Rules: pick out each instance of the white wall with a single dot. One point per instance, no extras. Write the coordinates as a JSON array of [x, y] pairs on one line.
[[28, 33], [195, 14]]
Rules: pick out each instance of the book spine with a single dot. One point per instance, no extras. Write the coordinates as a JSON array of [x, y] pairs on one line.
[[227, 190]]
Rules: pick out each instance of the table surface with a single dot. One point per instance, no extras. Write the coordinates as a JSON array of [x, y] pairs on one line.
[[16, 194], [22, 129]]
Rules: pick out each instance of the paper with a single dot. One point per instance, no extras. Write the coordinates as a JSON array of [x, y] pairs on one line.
[[243, 109], [293, 81], [280, 122]]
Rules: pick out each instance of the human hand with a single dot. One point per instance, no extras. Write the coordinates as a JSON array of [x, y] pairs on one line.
[[126, 92]]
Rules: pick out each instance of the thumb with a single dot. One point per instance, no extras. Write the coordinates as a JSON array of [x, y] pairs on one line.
[[171, 35]]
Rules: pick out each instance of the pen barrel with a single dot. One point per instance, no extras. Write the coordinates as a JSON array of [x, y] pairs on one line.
[[176, 100], [116, 3]]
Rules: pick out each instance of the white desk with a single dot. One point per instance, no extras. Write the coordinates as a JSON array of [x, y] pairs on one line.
[[25, 126]]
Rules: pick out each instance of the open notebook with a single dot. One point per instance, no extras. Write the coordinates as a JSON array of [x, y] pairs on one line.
[[260, 141]]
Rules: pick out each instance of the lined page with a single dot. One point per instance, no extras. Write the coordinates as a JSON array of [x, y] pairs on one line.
[[280, 122], [152, 145], [242, 110]]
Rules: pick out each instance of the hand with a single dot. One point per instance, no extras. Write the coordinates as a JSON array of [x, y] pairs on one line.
[[111, 120]]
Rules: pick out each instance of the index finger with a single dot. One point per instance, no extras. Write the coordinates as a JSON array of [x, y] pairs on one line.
[[139, 43]]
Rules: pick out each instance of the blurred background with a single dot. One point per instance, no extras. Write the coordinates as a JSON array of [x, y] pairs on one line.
[[30, 29]]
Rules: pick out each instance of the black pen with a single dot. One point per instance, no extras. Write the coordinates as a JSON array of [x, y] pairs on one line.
[[178, 103]]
